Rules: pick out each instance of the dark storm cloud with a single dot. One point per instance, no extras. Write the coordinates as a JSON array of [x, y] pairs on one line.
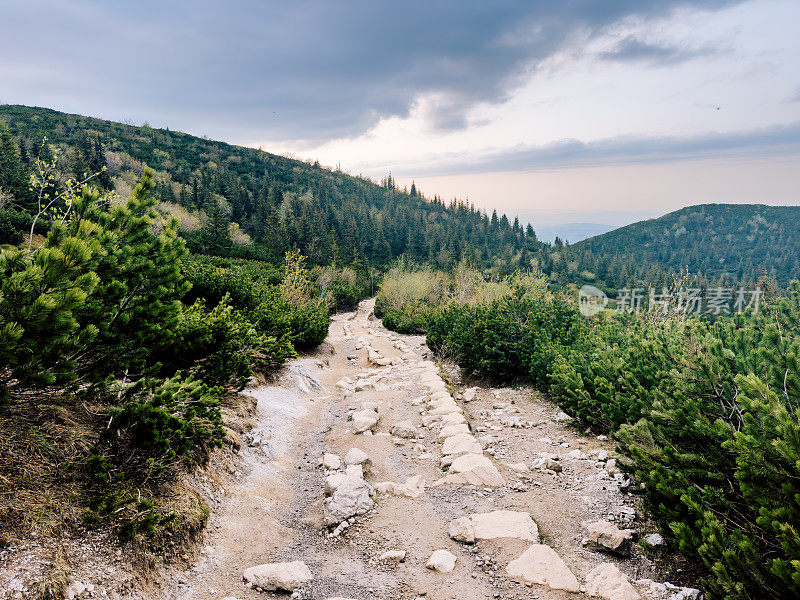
[[311, 70], [779, 140], [632, 49]]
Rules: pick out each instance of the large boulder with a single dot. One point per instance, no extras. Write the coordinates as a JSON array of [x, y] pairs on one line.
[[442, 561], [351, 497], [287, 576], [608, 582], [541, 565], [607, 537], [472, 469], [493, 525]]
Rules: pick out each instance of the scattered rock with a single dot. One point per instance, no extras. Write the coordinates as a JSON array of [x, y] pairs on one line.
[[287, 576], [356, 456], [540, 564], [413, 487], [655, 540], [331, 461], [404, 429], [355, 471], [493, 525], [364, 420], [607, 537], [350, 498], [394, 556], [442, 561], [608, 582]]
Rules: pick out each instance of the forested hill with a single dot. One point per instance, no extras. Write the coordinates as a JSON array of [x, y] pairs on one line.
[[739, 242], [236, 201], [233, 201]]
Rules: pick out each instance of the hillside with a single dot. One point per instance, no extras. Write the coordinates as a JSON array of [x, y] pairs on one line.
[[233, 201], [236, 201], [733, 242]]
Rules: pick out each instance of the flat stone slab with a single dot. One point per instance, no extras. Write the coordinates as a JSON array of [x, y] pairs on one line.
[[541, 565], [494, 525], [461, 443], [472, 469]]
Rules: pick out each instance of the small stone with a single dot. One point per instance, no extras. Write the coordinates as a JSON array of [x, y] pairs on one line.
[[608, 582], [394, 556], [441, 561], [356, 456], [540, 564], [404, 429], [287, 576], [607, 537], [655, 540], [331, 461]]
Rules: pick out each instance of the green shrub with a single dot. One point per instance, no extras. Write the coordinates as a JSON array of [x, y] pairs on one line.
[[221, 347]]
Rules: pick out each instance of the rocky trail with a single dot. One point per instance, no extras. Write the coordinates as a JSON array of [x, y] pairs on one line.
[[371, 474]]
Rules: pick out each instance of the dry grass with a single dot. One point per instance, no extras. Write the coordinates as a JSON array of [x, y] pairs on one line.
[[42, 449], [53, 585]]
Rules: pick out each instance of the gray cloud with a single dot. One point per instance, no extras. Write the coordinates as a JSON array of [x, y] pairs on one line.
[[780, 140], [632, 49], [307, 69]]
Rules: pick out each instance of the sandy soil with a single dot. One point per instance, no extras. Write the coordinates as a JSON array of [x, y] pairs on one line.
[[273, 511]]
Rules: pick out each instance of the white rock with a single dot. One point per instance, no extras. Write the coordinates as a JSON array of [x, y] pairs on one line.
[[461, 443], [331, 461], [350, 498], [442, 561], [472, 469], [279, 576], [404, 429], [602, 535], [493, 525], [413, 487], [333, 481], [451, 430], [608, 582], [540, 564], [355, 471], [518, 467], [364, 420], [445, 409], [356, 456], [453, 419], [611, 467], [394, 556]]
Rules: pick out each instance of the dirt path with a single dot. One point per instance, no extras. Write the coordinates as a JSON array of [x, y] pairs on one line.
[[274, 513]]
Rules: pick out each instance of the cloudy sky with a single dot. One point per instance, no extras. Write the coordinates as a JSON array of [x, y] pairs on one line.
[[562, 107]]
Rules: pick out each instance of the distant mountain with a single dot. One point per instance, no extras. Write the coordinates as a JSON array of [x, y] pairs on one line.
[[725, 242], [571, 232]]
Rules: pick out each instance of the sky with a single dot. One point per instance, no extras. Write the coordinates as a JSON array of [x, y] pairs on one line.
[[571, 110]]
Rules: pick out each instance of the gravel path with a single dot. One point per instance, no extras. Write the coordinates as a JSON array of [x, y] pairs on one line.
[[274, 511]]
